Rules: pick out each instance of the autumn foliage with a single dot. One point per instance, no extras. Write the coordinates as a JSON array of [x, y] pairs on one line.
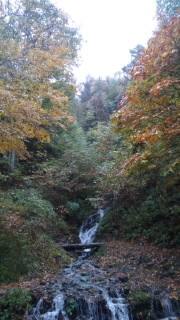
[[36, 49], [148, 113], [60, 176]]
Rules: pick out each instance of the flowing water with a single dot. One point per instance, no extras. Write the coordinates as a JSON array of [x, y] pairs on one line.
[[85, 292], [165, 309], [89, 227]]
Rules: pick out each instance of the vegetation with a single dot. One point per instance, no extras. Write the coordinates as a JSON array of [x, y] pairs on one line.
[[62, 156], [14, 304], [38, 49], [141, 304], [167, 8], [71, 307], [34, 58], [147, 121]]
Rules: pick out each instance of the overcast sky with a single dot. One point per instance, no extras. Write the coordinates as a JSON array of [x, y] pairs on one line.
[[110, 28]]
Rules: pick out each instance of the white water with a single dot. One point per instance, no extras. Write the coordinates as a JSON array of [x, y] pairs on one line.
[[58, 306], [89, 227], [168, 309], [170, 318], [116, 306]]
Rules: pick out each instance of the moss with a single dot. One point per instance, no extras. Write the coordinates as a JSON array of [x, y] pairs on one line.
[[71, 308], [141, 297], [101, 252], [141, 305]]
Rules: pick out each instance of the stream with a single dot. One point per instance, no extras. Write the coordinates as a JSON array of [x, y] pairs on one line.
[[85, 292]]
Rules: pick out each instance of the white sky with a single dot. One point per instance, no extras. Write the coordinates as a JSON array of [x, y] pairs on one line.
[[110, 28]]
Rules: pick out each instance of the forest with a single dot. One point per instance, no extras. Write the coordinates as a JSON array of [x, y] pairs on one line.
[[66, 151]]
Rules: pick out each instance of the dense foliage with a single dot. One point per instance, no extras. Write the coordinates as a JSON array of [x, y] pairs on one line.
[[167, 8], [98, 99], [147, 120], [37, 48], [14, 304], [62, 157]]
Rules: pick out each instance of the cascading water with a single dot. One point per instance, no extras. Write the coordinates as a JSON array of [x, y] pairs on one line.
[[89, 227], [57, 311], [88, 230], [85, 292], [93, 301], [165, 309]]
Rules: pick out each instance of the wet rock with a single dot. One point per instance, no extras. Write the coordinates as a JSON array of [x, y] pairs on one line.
[[125, 291], [60, 316], [96, 309], [65, 284], [123, 279], [167, 274], [84, 279], [157, 292], [96, 266], [150, 263], [165, 308], [80, 289], [141, 306], [113, 280], [111, 292], [45, 305], [84, 274]]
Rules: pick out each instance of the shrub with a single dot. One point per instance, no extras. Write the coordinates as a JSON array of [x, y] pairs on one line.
[[71, 307], [13, 257], [27, 201], [14, 304], [27, 225]]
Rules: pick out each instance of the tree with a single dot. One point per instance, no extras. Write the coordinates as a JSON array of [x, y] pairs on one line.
[[135, 53], [167, 8], [148, 163], [38, 49], [148, 113], [98, 99]]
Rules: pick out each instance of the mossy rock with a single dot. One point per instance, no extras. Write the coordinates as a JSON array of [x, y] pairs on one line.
[[71, 308], [141, 306]]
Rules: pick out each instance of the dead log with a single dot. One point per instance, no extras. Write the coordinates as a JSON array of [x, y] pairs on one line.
[[81, 246]]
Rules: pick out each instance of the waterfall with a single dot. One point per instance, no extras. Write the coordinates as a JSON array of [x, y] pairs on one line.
[[85, 292], [118, 306], [94, 301], [166, 309], [57, 311], [89, 227]]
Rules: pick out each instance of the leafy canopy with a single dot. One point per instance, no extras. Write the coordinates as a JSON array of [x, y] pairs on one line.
[[148, 113], [168, 8], [38, 49]]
